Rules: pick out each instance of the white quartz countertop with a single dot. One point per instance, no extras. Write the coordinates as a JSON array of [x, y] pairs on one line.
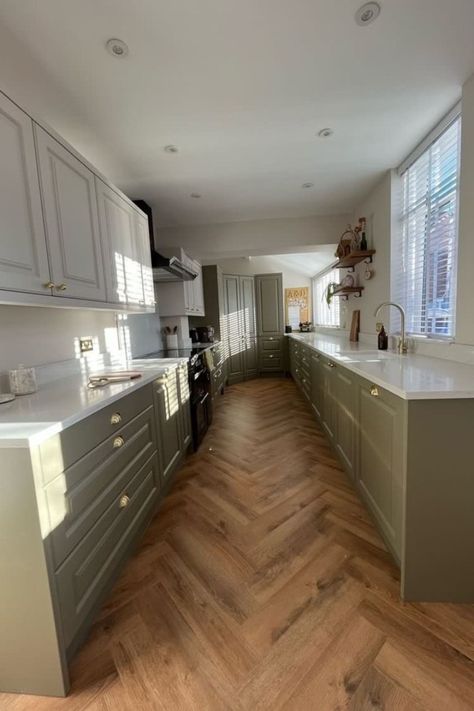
[[412, 377], [66, 399]]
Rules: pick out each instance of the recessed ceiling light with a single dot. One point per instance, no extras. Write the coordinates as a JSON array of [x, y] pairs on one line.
[[196, 195], [325, 132], [117, 48], [367, 13], [308, 185], [171, 149]]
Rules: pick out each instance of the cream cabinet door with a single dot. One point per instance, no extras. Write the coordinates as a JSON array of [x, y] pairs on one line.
[[198, 291], [143, 251], [23, 255], [71, 221], [123, 275]]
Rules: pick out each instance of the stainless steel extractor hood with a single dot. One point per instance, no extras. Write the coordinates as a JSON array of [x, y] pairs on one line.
[[170, 269], [164, 268]]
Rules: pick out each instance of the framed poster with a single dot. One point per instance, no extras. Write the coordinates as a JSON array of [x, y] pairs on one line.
[[297, 307]]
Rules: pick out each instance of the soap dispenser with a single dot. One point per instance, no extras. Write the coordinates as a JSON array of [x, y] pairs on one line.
[[382, 338]]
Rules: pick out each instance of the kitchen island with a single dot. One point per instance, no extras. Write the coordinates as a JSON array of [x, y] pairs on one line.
[[402, 428]]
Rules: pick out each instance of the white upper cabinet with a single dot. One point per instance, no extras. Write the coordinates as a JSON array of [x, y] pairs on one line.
[[23, 255], [198, 291], [143, 251], [182, 298], [71, 222], [65, 235], [123, 266]]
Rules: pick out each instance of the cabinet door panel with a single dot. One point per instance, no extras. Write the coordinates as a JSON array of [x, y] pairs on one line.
[[124, 281], [329, 401], [345, 418], [233, 328], [316, 384], [143, 256], [247, 291], [72, 225], [269, 304], [380, 465], [186, 435], [23, 255], [168, 423], [198, 291]]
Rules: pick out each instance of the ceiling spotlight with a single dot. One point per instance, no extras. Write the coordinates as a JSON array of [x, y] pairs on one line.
[[367, 13], [171, 149], [325, 132], [196, 195], [308, 185], [117, 48]]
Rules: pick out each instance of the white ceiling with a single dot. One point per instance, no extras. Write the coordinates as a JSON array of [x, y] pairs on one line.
[[309, 263], [242, 87]]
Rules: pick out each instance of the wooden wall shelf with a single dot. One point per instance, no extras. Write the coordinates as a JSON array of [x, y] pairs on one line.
[[350, 260], [346, 291]]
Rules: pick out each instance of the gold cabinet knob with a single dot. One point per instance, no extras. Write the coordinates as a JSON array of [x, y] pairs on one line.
[[331, 365], [270, 356], [116, 418], [374, 391], [124, 501], [119, 442], [61, 287], [49, 285]]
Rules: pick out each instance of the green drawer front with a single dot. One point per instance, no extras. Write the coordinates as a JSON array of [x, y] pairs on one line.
[[270, 343], [77, 498], [85, 574], [61, 451], [271, 362]]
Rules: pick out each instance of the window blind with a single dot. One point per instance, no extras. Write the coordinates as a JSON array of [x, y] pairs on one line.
[[424, 258], [325, 315]]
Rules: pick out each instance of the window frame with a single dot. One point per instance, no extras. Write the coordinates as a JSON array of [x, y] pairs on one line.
[[317, 277], [403, 215]]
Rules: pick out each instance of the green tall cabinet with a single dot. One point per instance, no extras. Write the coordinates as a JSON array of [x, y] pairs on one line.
[[270, 323], [239, 327]]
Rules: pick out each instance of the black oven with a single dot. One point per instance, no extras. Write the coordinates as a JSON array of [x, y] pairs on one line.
[[199, 388], [200, 398]]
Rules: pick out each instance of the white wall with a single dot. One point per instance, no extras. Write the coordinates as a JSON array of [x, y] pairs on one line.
[[36, 335], [253, 237], [381, 208], [264, 265], [377, 209]]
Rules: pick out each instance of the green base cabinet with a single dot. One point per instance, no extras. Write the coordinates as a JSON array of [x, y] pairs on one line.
[[379, 427], [410, 460]]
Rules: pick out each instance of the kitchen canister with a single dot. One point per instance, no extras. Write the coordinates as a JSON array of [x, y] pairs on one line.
[[22, 380], [172, 341]]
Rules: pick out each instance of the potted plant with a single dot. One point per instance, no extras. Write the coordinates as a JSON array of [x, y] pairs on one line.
[[329, 292]]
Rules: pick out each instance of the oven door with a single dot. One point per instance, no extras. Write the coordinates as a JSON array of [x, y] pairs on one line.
[[201, 417]]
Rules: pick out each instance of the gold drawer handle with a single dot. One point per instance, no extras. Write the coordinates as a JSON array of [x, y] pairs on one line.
[[124, 501], [119, 442], [61, 287], [49, 285], [331, 365], [270, 356], [374, 391], [116, 418]]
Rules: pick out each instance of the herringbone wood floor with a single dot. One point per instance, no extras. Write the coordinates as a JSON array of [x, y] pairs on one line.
[[262, 584]]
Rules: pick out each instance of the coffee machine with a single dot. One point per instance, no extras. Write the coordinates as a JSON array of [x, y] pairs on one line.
[[205, 334]]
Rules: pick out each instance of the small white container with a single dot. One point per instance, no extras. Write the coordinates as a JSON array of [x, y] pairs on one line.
[[22, 380], [172, 341]]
